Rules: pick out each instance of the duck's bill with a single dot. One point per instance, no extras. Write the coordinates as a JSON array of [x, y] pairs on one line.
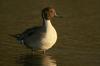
[[58, 16]]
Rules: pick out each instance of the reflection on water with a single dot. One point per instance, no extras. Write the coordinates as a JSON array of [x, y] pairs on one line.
[[36, 60]]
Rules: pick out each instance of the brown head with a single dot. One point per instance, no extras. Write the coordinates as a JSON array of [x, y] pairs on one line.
[[48, 13]]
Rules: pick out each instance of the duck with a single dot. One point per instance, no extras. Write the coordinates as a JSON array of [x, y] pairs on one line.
[[43, 37]]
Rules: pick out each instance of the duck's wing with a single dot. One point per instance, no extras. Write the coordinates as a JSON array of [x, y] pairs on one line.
[[28, 32]]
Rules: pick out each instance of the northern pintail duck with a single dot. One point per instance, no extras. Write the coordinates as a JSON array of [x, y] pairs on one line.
[[43, 37]]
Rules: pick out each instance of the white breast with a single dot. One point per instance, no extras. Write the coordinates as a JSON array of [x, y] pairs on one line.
[[50, 37]]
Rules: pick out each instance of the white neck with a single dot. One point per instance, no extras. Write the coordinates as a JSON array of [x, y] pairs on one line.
[[47, 24]]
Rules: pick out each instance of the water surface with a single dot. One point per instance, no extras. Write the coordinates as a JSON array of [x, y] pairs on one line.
[[78, 32]]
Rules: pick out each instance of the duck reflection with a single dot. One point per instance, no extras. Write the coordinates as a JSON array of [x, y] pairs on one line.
[[37, 60]]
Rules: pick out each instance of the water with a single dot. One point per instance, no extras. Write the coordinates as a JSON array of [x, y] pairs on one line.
[[37, 60], [78, 32]]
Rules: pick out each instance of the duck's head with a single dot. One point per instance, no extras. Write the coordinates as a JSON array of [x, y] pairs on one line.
[[48, 13]]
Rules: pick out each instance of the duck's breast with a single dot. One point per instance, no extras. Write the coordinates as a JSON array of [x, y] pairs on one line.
[[50, 38]]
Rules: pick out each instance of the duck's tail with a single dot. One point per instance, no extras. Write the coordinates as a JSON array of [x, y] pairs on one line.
[[18, 37]]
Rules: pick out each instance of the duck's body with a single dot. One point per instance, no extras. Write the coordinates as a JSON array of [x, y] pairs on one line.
[[43, 37]]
